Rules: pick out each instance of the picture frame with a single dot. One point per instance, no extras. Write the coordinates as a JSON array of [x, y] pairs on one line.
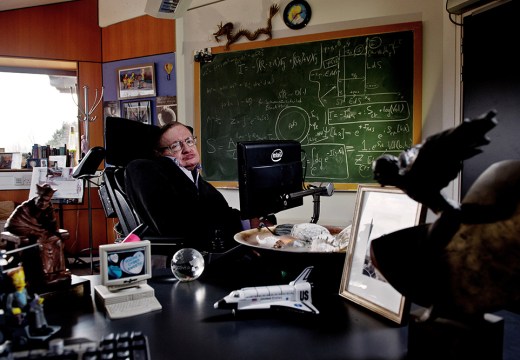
[[6, 161], [32, 163], [378, 211], [166, 109], [138, 110], [111, 108], [136, 81], [69, 190], [10, 160]]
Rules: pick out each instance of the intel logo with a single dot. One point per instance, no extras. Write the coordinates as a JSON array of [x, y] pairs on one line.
[[277, 155]]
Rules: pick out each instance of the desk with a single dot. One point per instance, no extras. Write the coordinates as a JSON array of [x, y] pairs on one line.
[[188, 327]]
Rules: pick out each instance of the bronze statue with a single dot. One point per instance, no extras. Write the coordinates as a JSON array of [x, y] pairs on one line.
[[466, 263], [35, 220]]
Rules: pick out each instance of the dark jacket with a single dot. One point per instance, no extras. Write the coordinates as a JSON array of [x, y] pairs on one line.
[[172, 205]]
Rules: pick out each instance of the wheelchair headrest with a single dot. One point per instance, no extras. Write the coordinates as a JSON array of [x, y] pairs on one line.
[[126, 140]]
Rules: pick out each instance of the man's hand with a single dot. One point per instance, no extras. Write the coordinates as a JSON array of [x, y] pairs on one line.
[[263, 221]]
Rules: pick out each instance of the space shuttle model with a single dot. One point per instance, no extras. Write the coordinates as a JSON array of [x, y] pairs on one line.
[[295, 296]]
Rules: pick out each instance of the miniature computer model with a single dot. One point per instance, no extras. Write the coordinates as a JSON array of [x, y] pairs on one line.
[[124, 271]]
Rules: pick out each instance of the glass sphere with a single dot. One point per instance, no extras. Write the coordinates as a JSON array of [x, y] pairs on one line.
[[187, 264]]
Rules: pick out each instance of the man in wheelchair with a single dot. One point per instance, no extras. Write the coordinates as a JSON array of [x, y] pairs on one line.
[[155, 189], [169, 194]]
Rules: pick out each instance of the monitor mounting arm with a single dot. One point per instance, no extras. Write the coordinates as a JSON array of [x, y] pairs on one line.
[[316, 191]]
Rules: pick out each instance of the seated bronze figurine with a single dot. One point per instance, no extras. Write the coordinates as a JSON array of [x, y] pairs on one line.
[[34, 220]]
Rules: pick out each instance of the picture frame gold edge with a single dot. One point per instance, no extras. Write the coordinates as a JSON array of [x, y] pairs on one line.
[[398, 317]]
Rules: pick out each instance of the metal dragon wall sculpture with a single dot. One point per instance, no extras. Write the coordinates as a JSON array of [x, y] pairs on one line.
[[227, 30]]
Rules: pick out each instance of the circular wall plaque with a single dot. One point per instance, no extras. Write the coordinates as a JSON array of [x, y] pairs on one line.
[[297, 14]]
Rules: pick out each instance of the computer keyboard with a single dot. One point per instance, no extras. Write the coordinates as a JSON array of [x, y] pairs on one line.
[[126, 345], [133, 307]]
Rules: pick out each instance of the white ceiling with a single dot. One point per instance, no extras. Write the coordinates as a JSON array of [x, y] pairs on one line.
[[18, 4]]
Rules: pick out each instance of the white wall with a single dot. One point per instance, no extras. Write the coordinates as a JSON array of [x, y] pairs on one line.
[[440, 105], [114, 11]]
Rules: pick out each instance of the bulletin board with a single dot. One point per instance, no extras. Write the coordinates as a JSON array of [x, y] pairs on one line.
[[346, 96]]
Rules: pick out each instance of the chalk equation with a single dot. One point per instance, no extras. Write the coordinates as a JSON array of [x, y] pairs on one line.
[[347, 101]]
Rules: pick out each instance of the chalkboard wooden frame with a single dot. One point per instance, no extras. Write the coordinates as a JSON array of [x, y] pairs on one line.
[[413, 28]]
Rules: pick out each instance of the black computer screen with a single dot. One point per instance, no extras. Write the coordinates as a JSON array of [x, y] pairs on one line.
[[268, 170]]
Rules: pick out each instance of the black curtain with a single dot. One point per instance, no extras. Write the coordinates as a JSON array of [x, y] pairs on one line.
[[491, 80]]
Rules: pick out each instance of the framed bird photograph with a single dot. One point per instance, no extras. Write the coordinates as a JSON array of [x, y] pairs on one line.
[[138, 110], [379, 211]]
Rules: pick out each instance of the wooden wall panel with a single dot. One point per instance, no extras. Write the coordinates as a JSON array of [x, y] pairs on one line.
[[76, 222], [90, 75], [142, 36], [64, 31], [18, 196]]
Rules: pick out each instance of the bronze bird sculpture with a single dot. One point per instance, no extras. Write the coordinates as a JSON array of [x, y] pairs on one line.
[[425, 169], [465, 263]]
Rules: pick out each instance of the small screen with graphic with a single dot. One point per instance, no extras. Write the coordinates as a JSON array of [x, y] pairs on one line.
[[125, 264]]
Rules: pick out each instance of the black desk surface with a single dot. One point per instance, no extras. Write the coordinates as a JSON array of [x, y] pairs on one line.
[[188, 326]]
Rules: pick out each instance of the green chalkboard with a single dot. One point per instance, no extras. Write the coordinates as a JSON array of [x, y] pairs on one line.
[[347, 97]]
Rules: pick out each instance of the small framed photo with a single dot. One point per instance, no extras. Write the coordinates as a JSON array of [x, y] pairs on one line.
[[139, 111], [32, 163], [57, 161], [379, 211], [136, 81], [111, 108], [166, 109], [10, 160], [6, 161]]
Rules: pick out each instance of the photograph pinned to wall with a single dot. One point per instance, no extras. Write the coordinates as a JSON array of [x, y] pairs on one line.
[[379, 211], [136, 81], [111, 108], [166, 109], [139, 111]]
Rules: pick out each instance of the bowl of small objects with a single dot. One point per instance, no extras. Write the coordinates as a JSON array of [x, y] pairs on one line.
[[298, 238]]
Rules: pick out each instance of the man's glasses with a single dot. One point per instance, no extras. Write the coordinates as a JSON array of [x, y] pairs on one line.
[[177, 145]]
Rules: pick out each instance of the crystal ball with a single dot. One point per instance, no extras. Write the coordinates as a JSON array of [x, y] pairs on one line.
[[187, 264]]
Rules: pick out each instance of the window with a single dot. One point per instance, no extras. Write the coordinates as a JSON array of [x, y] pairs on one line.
[[37, 106]]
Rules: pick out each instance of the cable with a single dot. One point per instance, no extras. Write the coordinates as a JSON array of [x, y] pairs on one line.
[[304, 168]]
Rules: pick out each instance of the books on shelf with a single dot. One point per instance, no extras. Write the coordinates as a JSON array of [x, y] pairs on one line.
[[45, 155]]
